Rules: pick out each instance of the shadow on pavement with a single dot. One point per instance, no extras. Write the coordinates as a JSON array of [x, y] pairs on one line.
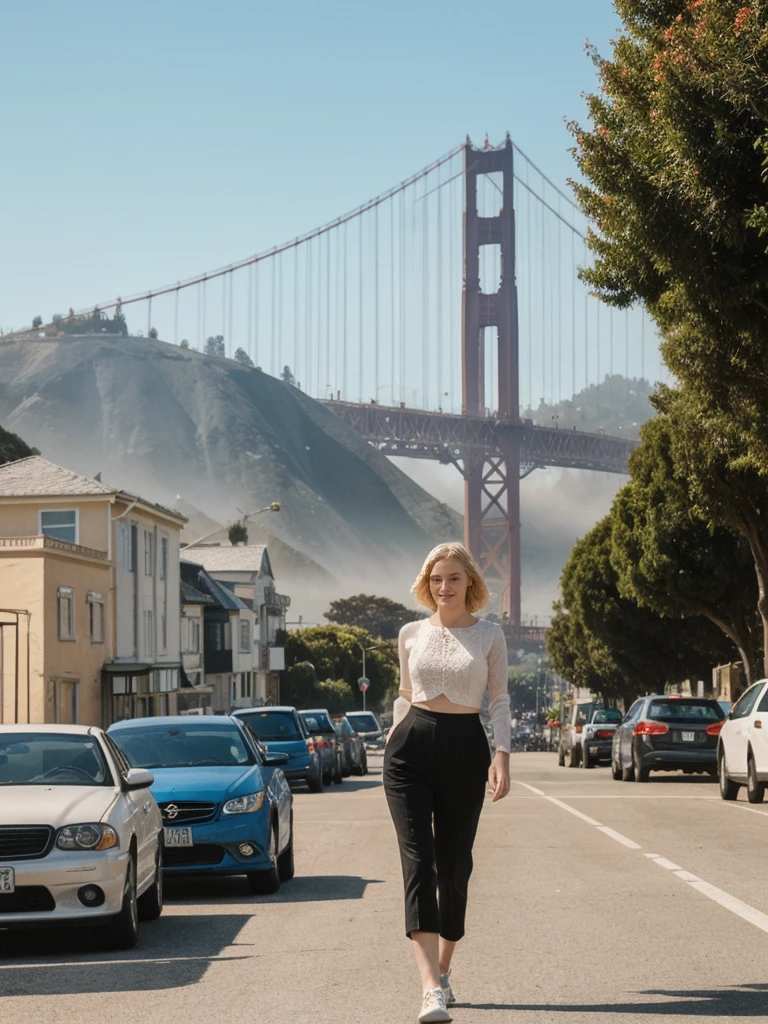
[[739, 1001], [50, 962], [234, 889], [352, 784]]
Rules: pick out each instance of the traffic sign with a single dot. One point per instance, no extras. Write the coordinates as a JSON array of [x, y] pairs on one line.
[[363, 683]]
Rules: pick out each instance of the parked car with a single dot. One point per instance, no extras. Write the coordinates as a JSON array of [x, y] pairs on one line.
[[354, 759], [283, 729], [667, 733], [227, 808], [79, 833], [367, 728], [320, 728], [587, 734], [742, 753]]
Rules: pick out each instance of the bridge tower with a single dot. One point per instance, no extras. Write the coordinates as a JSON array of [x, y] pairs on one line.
[[492, 482]]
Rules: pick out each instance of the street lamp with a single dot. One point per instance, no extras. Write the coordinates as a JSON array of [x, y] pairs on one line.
[[364, 682], [273, 507]]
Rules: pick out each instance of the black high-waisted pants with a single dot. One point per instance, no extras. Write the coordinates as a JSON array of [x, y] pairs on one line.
[[435, 769]]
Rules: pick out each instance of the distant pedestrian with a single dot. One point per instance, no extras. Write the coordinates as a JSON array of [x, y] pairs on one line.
[[437, 760]]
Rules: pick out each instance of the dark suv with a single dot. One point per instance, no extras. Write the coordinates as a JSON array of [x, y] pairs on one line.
[[665, 734]]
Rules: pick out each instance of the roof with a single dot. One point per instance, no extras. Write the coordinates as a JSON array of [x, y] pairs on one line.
[[206, 721], [241, 712], [37, 476], [191, 595], [243, 558], [194, 575], [66, 730]]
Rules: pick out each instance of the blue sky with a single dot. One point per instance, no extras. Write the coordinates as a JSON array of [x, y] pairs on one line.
[[145, 142]]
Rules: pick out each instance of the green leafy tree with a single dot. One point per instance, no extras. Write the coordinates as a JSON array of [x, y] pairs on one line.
[[214, 346], [670, 560], [152, 333], [676, 186], [242, 357], [237, 533], [37, 322], [287, 376], [12, 447], [184, 343], [333, 652], [378, 615]]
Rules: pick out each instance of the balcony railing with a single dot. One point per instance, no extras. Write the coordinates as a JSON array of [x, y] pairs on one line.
[[275, 600], [43, 542]]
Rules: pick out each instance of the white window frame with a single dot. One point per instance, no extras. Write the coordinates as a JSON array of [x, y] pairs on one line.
[[245, 636], [66, 594], [77, 522], [94, 598], [194, 635]]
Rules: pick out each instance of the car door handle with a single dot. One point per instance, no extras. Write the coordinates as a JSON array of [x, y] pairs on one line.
[[758, 724]]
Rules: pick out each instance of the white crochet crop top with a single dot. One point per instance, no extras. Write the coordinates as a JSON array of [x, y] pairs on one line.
[[461, 663]]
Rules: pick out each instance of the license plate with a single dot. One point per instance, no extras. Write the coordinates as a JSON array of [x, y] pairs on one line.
[[689, 737], [594, 750], [177, 836], [7, 880]]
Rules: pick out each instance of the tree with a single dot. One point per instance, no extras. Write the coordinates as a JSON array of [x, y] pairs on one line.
[[214, 346], [671, 561], [677, 190], [242, 357], [152, 333], [333, 653], [287, 376], [237, 533], [637, 650], [12, 447], [184, 343], [37, 322], [379, 615]]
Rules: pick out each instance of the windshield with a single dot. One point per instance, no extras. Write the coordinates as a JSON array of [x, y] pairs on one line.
[[318, 723], [273, 725], [176, 746], [364, 723], [606, 716], [685, 711], [52, 759]]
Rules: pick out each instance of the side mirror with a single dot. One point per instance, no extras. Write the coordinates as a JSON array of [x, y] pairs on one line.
[[138, 778], [275, 758], [730, 714]]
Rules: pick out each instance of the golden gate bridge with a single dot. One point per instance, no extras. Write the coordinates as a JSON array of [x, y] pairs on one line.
[[434, 320]]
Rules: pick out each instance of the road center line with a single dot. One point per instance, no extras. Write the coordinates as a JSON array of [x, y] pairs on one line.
[[724, 899]]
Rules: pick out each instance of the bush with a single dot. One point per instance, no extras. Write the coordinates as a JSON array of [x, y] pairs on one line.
[[335, 695]]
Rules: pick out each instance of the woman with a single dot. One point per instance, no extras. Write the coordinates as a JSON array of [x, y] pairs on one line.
[[437, 759]]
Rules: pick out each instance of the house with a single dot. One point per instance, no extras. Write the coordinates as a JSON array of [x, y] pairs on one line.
[[95, 572], [195, 695], [246, 570], [228, 633]]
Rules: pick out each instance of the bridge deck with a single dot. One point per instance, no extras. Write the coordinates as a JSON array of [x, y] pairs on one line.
[[445, 437]]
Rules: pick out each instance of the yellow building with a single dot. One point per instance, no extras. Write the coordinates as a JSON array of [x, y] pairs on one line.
[[91, 575]]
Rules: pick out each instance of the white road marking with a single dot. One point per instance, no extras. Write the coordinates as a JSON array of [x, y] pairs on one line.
[[754, 810], [629, 843], [724, 899], [635, 796]]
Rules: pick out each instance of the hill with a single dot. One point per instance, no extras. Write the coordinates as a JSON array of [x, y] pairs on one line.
[[163, 420]]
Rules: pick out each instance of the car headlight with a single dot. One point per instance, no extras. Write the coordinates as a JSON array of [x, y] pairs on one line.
[[242, 804], [87, 837]]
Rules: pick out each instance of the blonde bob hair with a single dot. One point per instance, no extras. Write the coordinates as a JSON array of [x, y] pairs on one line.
[[478, 594]]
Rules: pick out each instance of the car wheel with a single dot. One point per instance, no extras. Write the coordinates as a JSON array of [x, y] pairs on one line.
[[728, 790], [265, 883], [150, 903], [640, 773], [586, 760], [572, 760], [122, 932], [364, 765], [315, 781], [755, 789], [615, 770], [627, 772], [561, 757], [285, 867], [338, 777]]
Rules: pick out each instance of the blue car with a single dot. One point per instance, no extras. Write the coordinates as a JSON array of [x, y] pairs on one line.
[[283, 729], [226, 805]]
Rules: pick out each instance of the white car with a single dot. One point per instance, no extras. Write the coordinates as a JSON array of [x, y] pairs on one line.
[[742, 753], [79, 833]]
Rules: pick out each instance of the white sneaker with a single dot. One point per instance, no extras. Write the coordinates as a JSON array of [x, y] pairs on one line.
[[433, 1007], [445, 985]]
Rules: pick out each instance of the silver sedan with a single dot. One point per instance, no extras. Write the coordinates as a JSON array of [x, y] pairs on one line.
[[79, 833]]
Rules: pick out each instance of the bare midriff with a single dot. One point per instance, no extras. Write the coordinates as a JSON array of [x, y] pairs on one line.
[[445, 706]]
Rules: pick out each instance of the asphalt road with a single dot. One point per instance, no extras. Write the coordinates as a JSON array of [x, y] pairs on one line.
[[592, 900]]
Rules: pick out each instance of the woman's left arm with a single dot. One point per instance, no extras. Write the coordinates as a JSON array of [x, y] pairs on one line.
[[498, 710]]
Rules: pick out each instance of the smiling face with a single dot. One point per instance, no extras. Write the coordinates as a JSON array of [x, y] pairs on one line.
[[448, 583]]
